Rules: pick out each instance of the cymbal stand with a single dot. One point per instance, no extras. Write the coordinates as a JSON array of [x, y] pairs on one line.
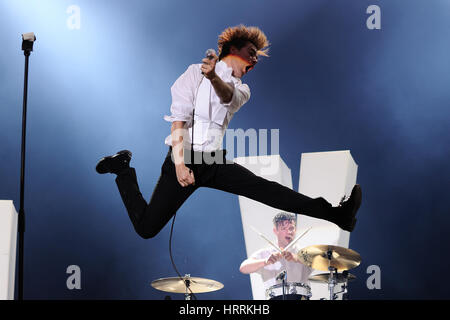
[[332, 277], [344, 285], [332, 282], [187, 282]]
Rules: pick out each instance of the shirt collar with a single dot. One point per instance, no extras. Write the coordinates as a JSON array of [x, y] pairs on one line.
[[223, 70]]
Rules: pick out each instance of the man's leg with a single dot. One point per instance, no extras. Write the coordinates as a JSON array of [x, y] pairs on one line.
[[236, 179], [167, 198]]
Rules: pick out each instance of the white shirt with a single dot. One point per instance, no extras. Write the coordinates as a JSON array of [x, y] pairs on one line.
[[212, 116], [295, 271]]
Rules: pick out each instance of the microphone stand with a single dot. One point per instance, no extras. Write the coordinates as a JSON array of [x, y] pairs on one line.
[[27, 47], [282, 276]]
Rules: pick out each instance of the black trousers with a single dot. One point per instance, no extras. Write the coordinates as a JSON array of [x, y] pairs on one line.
[[168, 196]]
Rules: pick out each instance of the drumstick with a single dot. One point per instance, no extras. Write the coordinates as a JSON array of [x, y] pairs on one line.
[[262, 236], [296, 239]]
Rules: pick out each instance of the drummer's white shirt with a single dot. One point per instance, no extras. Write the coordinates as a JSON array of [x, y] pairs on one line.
[[295, 271]]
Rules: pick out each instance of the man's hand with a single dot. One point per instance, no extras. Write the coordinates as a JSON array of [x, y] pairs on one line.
[[289, 256], [223, 90], [209, 67], [185, 176], [274, 257]]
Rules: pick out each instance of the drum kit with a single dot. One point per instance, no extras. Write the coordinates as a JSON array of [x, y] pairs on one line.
[[334, 260]]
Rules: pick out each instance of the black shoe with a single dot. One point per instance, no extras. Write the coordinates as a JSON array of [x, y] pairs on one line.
[[349, 208], [114, 164]]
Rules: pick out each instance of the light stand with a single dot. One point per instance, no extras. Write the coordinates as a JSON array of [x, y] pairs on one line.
[[27, 46]]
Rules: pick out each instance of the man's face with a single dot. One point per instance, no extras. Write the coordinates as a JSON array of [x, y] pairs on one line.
[[285, 232], [248, 56]]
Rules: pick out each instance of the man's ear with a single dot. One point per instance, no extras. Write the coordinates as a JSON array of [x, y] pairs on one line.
[[233, 50]]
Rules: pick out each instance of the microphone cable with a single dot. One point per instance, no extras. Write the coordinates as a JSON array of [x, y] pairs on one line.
[[209, 53], [173, 263]]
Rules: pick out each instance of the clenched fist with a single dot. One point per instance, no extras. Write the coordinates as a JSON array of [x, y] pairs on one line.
[[289, 256], [209, 66], [274, 257], [185, 176]]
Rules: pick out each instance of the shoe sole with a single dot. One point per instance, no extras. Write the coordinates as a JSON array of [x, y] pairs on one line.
[[357, 193], [358, 198]]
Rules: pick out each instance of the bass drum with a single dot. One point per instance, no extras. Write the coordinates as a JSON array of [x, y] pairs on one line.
[[292, 290]]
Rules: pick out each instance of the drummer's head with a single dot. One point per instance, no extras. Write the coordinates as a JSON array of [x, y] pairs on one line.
[[284, 227]]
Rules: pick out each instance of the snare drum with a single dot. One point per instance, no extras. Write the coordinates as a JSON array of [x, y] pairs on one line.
[[293, 291]]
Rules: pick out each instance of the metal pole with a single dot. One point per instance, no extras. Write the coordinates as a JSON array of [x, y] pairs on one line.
[[21, 217], [27, 46]]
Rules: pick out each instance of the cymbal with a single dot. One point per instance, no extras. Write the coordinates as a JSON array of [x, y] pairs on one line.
[[316, 257], [177, 285], [339, 278]]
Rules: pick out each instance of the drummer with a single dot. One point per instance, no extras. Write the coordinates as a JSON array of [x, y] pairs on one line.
[[269, 263]]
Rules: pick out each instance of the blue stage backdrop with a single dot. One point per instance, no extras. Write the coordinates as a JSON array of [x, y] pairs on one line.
[[100, 77]]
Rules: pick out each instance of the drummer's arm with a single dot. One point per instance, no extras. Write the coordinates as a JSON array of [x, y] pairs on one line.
[[252, 265]]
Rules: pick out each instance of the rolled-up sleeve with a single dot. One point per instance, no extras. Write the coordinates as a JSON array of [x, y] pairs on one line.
[[183, 92], [241, 94]]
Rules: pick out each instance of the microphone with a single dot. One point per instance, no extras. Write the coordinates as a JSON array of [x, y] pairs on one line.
[[210, 55], [281, 275]]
